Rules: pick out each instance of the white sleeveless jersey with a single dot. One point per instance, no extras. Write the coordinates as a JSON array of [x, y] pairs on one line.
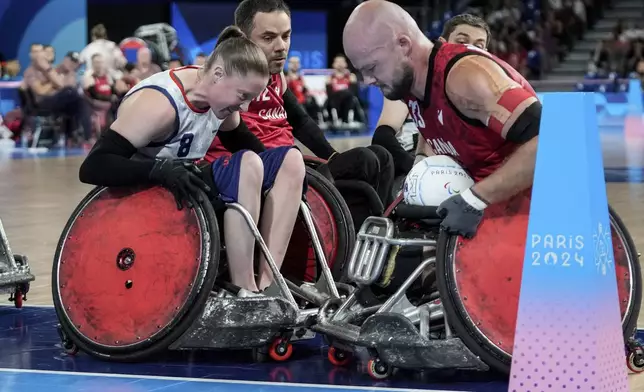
[[194, 129]]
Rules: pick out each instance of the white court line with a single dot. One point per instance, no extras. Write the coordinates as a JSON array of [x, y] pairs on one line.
[[210, 380], [26, 306]]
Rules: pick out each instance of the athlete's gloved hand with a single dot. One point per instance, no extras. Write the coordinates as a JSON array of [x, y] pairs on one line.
[[462, 213], [181, 178]]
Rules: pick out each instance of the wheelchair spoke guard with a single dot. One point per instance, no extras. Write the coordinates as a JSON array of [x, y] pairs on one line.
[[131, 272]]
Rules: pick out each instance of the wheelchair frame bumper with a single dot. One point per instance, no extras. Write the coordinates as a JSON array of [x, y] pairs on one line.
[[395, 340], [238, 323]]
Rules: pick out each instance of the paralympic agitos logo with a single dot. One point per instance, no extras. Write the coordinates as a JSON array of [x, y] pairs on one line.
[[450, 189]]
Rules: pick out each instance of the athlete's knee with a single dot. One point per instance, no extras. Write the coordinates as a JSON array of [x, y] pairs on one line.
[[293, 166], [384, 156], [252, 169], [366, 161]]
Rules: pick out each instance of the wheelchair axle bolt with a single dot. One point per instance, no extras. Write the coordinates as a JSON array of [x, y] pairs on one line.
[[125, 259]]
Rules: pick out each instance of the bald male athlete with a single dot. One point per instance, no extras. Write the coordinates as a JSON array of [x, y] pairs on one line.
[[395, 123], [467, 104]]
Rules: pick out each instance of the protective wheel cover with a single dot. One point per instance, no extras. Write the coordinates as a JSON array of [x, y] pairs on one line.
[[479, 280], [131, 272], [335, 229]]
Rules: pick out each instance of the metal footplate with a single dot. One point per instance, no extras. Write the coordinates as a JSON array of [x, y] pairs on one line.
[[238, 323]]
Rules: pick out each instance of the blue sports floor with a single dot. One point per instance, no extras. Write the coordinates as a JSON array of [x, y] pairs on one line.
[[31, 359]]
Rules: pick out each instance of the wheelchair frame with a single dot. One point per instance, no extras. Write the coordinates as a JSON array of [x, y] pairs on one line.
[[265, 324], [398, 334], [15, 273], [408, 327]]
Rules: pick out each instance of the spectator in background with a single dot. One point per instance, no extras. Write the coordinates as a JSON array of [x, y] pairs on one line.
[[10, 69], [467, 29], [579, 8], [112, 54], [127, 81], [99, 88], [31, 72], [56, 89], [295, 83], [517, 57], [50, 53], [634, 57], [200, 59], [175, 63], [342, 96], [602, 59], [123, 85], [144, 65]]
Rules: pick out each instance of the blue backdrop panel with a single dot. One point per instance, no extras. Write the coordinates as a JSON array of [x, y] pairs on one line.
[[198, 25], [60, 23]]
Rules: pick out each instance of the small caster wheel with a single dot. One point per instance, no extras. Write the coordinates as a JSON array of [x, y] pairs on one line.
[[70, 348], [378, 369], [635, 360], [281, 350], [338, 357]]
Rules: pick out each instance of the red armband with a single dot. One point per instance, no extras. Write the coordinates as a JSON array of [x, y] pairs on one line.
[[512, 103]]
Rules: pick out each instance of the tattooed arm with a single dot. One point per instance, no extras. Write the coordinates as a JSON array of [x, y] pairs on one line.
[[480, 89]]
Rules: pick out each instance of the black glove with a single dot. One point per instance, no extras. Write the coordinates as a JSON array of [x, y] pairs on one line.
[[181, 178], [462, 214]]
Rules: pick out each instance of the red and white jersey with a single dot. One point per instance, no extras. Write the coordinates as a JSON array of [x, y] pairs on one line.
[[195, 128], [478, 148]]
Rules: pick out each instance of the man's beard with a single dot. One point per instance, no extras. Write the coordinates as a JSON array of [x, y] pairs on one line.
[[402, 86], [274, 69]]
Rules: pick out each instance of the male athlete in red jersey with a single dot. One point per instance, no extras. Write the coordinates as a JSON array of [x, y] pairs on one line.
[[461, 29], [278, 119], [466, 103]]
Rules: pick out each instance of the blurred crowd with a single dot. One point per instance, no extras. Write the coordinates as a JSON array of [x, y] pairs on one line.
[[535, 35], [61, 106], [71, 98], [621, 54]]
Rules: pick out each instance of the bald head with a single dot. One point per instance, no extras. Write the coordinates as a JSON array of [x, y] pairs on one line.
[[381, 39], [378, 23]]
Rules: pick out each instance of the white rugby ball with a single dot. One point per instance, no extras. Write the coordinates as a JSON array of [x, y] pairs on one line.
[[435, 179]]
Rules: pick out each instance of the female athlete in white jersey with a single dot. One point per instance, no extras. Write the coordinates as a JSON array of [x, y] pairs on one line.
[[171, 118]]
